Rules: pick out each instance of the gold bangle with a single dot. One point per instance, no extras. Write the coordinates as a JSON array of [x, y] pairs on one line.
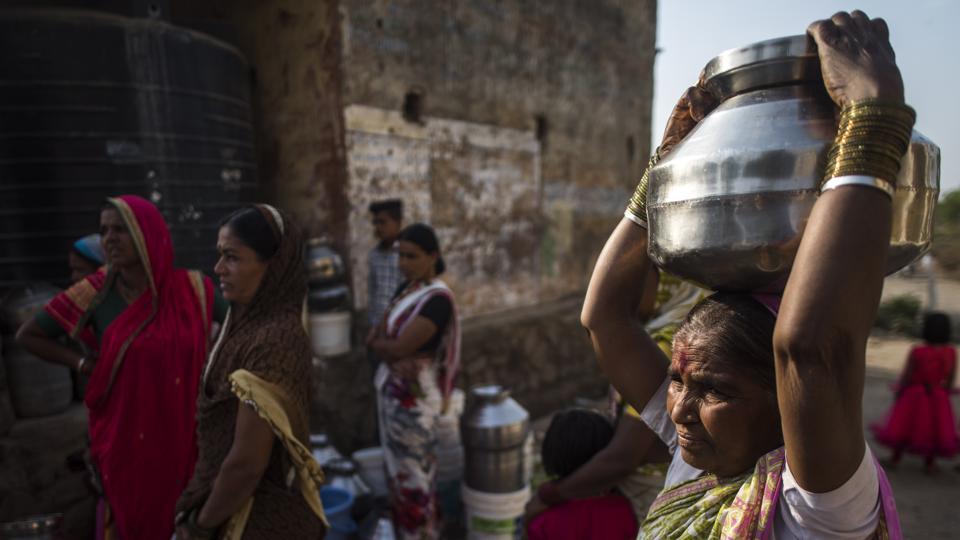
[[637, 206], [872, 138]]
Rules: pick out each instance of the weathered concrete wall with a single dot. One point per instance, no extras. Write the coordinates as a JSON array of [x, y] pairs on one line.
[[577, 75], [477, 185], [541, 353]]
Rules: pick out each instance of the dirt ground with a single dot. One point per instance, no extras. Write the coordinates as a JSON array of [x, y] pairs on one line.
[[929, 506]]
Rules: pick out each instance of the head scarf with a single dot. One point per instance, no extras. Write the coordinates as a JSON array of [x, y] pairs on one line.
[[89, 248], [264, 342]]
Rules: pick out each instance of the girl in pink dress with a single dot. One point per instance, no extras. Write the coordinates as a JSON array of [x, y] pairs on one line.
[[921, 420]]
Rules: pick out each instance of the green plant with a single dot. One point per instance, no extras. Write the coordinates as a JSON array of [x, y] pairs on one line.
[[899, 314]]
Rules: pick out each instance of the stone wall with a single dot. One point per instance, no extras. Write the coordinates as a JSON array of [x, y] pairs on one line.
[[478, 186], [541, 353], [576, 75]]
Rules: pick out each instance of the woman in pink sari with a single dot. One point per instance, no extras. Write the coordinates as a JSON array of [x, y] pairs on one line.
[[149, 324], [419, 343]]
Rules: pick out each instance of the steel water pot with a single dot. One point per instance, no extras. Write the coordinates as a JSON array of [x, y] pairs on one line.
[[494, 429], [727, 207]]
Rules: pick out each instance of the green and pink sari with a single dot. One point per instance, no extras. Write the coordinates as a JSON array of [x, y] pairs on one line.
[[740, 508]]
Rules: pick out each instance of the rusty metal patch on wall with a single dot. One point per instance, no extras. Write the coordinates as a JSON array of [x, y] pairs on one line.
[[478, 185]]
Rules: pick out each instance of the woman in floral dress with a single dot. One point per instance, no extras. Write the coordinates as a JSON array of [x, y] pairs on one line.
[[419, 343]]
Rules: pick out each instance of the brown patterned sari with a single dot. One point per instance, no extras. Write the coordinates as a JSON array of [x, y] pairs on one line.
[[265, 344]]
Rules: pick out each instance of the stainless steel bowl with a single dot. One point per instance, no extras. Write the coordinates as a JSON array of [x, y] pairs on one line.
[[47, 527]]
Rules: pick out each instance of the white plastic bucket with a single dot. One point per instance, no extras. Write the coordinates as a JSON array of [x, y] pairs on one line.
[[330, 333], [370, 464], [494, 516]]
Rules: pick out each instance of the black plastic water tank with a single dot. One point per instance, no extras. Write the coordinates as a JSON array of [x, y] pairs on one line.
[[94, 105]]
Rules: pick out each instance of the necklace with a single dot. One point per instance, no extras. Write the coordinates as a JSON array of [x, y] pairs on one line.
[[128, 293]]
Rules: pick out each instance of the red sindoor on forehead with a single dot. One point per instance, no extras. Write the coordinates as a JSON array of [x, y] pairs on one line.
[[680, 360]]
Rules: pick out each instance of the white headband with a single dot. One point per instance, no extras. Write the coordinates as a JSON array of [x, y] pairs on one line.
[[276, 217]]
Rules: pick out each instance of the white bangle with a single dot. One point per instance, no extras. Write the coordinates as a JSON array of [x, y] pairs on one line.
[[868, 181], [80, 364], [630, 215]]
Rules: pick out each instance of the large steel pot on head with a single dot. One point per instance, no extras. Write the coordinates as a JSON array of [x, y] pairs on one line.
[[727, 207], [494, 429]]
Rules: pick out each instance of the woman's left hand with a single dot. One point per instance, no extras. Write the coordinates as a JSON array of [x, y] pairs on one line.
[[856, 58], [182, 533]]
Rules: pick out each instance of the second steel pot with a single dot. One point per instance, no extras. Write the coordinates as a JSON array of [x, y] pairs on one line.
[[494, 429]]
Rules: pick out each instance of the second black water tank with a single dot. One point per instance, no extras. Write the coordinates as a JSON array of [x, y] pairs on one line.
[[94, 105]]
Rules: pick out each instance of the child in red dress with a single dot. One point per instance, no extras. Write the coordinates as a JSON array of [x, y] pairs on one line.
[[921, 420]]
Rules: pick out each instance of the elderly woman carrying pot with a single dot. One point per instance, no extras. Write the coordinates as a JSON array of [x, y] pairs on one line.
[[761, 400]]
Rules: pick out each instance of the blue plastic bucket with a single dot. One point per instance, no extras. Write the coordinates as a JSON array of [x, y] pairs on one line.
[[337, 503]]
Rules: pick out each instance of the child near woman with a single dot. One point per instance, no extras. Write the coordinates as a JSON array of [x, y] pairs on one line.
[[574, 436]]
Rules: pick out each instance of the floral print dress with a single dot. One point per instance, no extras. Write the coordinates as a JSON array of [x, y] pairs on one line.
[[409, 407]]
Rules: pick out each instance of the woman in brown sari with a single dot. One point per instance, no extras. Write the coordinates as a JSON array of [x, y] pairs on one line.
[[255, 478]]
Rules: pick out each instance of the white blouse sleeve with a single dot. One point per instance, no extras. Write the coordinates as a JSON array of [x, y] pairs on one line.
[[852, 511], [655, 416]]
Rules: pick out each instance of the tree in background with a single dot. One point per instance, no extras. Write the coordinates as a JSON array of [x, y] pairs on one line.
[[946, 238]]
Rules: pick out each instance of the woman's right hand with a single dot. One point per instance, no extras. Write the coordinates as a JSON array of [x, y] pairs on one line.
[[693, 106], [856, 58]]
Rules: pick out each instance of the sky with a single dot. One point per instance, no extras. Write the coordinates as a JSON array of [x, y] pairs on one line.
[[691, 32]]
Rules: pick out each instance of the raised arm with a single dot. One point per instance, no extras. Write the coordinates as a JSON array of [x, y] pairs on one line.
[[628, 356], [834, 288]]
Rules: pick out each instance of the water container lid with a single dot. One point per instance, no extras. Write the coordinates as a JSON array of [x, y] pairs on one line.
[[340, 467], [492, 392], [774, 62]]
